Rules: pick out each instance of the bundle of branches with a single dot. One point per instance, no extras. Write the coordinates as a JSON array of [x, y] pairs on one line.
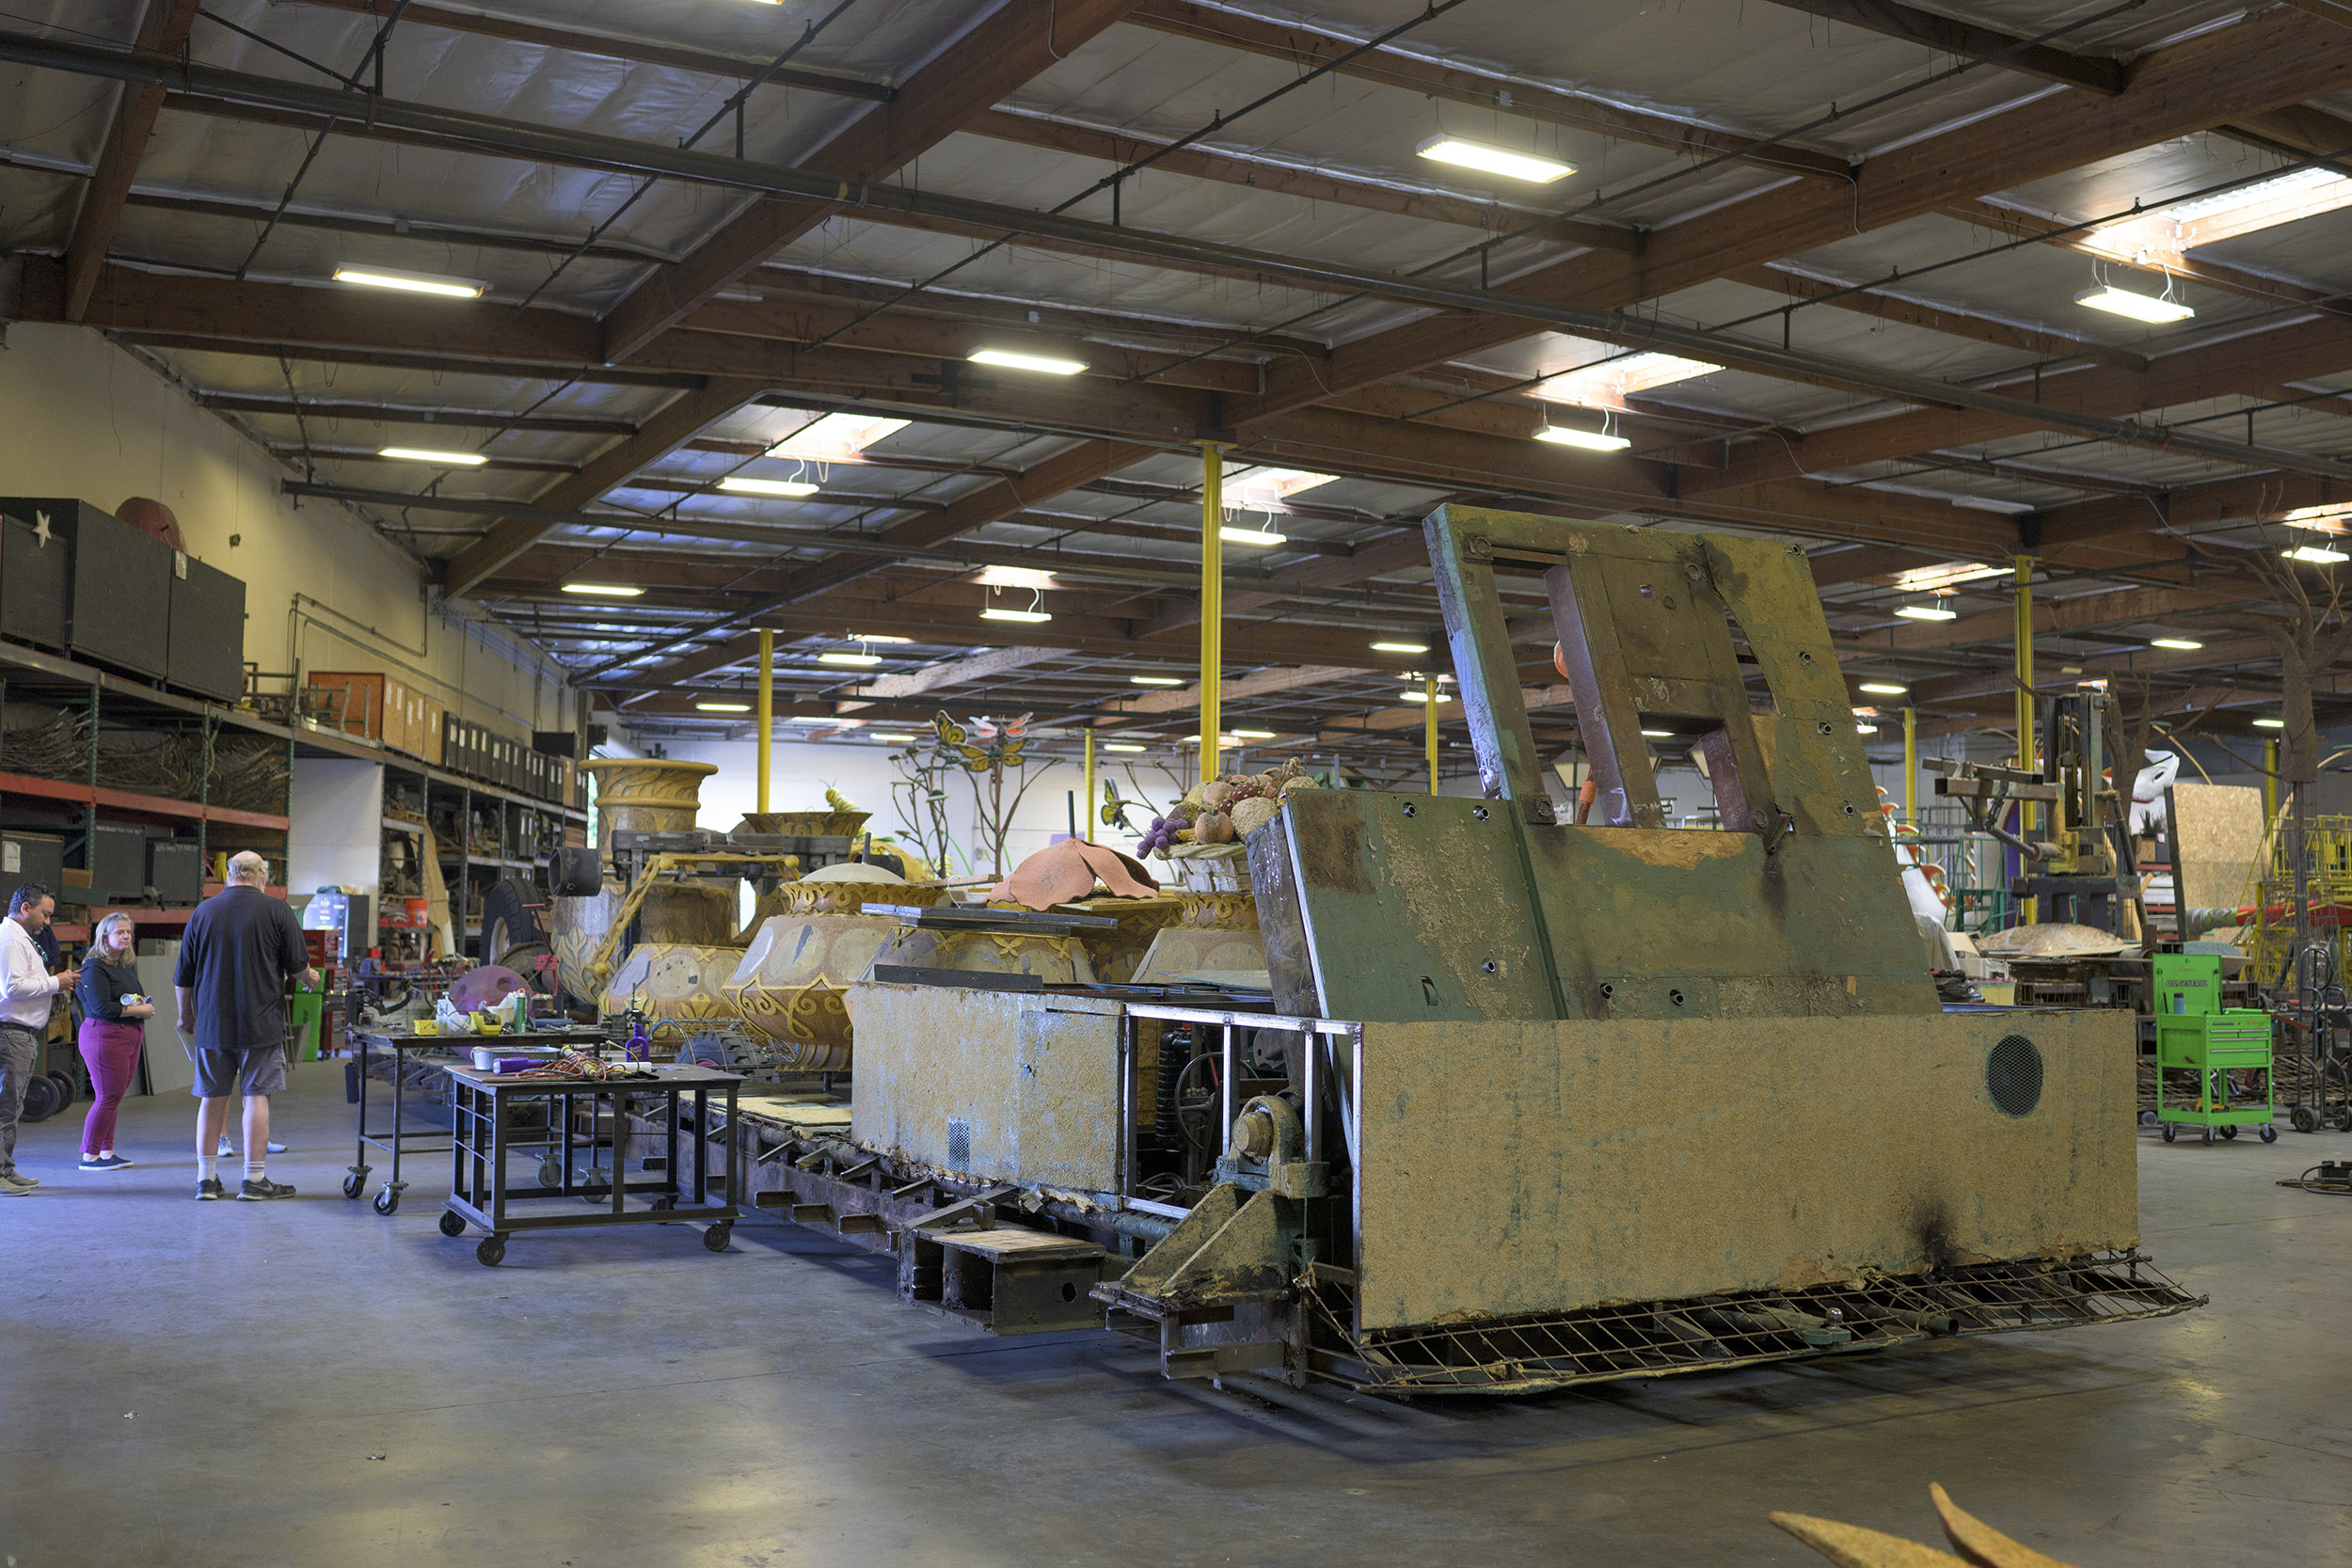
[[46, 743], [144, 763], [249, 776]]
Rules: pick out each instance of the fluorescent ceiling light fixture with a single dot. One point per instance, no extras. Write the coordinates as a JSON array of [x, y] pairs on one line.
[[2143, 308], [1267, 489], [1120, 746], [1027, 616], [2156, 239], [1015, 577], [1882, 688], [894, 740], [411, 282], [603, 590], [1591, 440], [2318, 554], [1400, 647], [1926, 612], [426, 454], [742, 486], [1608, 383], [1494, 160], [1660, 735], [1413, 696], [865, 661], [1154, 680], [723, 708], [1250, 536], [2270, 723], [835, 438], [877, 636], [1866, 728], [2185, 643], [1044, 364], [1919, 580], [1254, 735]]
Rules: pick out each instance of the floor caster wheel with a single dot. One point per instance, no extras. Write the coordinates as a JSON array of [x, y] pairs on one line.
[[594, 1189], [387, 1201], [2169, 1131], [355, 1184], [717, 1236], [2147, 1119], [489, 1250], [2208, 1135], [664, 1203], [2229, 1134], [2303, 1120], [2270, 1135], [550, 1173], [2344, 1121], [452, 1224]]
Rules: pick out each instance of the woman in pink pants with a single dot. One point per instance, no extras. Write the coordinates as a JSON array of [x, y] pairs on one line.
[[114, 1025]]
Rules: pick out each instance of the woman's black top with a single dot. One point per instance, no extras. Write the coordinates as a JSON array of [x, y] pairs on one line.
[[103, 985]]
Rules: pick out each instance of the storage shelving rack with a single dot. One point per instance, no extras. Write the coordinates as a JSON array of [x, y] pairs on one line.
[[526, 830]]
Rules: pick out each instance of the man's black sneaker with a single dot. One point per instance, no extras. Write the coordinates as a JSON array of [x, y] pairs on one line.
[[209, 1189], [263, 1190]]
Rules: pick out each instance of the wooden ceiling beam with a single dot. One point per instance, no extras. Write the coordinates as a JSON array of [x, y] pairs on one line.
[[385, 413], [1012, 43], [1876, 303], [163, 30], [1391, 66], [2275, 58], [1951, 36]]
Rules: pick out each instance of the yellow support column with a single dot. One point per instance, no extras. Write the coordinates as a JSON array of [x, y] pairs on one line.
[[766, 723], [1085, 822], [2025, 812], [1212, 600], [1429, 726], [2270, 783], [1911, 765]]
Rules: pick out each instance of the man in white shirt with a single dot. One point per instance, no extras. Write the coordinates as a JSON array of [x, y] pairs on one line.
[[27, 992]]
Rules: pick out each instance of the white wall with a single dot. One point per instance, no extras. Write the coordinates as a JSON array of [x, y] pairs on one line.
[[336, 827], [81, 417], [861, 771]]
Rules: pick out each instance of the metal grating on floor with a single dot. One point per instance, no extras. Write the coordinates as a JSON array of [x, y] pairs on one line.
[[1658, 1339]]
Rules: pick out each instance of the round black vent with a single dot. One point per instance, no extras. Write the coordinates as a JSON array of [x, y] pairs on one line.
[[2012, 1074]]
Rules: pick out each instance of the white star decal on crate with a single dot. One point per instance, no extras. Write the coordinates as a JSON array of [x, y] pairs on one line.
[[40, 527]]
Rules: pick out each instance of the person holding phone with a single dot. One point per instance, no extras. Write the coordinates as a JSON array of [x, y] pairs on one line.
[[113, 1027]]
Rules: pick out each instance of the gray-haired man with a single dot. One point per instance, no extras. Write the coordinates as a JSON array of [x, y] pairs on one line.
[[27, 992], [240, 949]]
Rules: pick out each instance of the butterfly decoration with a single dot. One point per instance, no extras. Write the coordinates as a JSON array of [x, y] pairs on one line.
[[982, 744], [1114, 807]]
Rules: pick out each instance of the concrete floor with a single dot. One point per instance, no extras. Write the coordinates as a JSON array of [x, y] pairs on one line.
[[309, 1383]]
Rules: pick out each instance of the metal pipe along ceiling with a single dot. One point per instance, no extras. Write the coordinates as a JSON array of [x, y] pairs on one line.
[[518, 138]]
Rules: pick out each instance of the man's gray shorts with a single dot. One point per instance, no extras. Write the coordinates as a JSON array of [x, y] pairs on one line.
[[259, 1070]]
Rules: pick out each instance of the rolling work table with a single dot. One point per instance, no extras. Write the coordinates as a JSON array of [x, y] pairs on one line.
[[490, 1109], [437, 1050]]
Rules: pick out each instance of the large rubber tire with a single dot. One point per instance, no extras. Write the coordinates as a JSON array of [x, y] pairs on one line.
[[508, 918], [40, 1100], [68, 1087]]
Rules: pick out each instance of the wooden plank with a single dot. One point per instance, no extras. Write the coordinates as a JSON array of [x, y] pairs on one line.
[[2216, 837], [1951, 36], [164, 30]]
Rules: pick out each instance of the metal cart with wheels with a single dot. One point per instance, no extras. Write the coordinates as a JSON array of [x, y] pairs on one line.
[[416, 1060], [690, 1104], [2213, 1063], [2321, 1023]]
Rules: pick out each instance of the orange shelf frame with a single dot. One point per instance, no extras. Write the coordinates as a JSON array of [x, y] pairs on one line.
[[124, 799]]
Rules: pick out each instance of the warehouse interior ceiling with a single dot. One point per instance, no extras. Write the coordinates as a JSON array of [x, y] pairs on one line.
[[1815, 272]]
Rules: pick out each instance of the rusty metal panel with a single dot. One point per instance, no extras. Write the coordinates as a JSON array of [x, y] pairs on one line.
[[1510, 1169], [1414, 907], [1000, 1086]]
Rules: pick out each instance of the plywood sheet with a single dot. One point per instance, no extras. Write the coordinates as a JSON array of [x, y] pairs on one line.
[[1001, 1085], [2216, 837], [1524, 1169]]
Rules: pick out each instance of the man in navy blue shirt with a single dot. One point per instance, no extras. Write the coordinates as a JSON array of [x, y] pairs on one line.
[[240, 949]]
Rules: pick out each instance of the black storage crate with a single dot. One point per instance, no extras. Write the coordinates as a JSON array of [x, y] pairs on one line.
[[121, 600], [207, 642], [175, 869], [117, 868], [37, 567], [31, 858]]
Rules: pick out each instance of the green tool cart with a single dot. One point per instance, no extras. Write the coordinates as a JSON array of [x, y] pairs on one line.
[[2209, 1058]]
